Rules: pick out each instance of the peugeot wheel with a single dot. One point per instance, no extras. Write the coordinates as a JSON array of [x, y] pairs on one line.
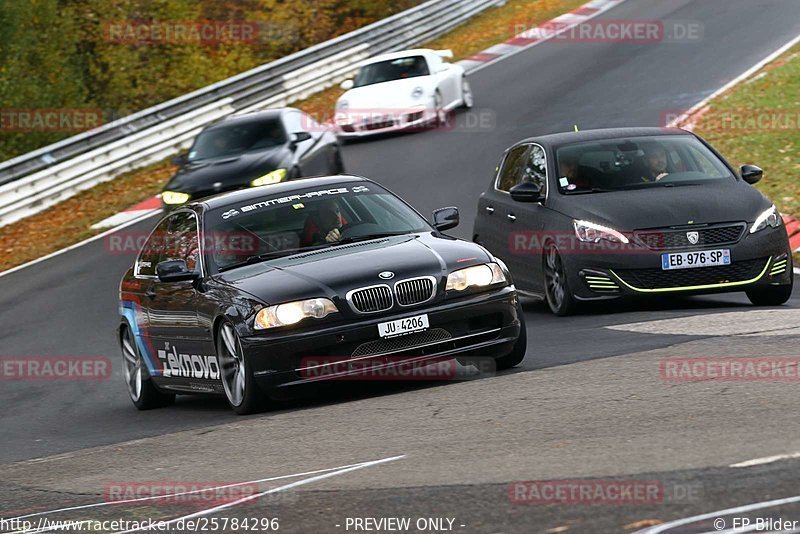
[[559, 296], [467, 100]]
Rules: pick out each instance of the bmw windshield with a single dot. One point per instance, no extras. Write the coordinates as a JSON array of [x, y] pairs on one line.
[[635, 163], [237, 138], [292, 223]]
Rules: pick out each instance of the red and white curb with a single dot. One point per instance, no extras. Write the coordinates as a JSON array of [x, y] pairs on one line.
[[139, 211], [539, 34]]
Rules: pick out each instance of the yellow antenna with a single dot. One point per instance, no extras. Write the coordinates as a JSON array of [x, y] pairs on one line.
[[576, 128]]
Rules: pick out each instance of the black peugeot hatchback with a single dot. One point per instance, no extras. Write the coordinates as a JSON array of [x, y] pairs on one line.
[[596, 215], [253, 149]]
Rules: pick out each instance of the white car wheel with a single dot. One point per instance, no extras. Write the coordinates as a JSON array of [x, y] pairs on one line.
[[467, 100]]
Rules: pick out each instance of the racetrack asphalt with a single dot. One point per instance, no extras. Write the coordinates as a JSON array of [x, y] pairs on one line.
[[587, 401]]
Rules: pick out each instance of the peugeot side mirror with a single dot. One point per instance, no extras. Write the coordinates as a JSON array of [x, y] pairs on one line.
[[445, 218], [174, 271], [751, 174], [526, 192], [346, 85]]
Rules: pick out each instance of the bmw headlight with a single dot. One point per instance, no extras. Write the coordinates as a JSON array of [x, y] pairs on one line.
[[174, 197], [484, 275], [291, 313], [417, 92], [769, 217], [592, 233], [270, 178]]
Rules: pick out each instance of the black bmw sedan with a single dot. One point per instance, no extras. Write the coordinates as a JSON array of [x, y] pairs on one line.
[[604, 214], [316, 279], [254, 149]]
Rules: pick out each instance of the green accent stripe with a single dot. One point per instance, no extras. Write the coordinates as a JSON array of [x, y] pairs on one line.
[[694, 288]]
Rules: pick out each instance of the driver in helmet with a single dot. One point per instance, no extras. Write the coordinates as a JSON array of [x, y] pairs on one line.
[[325, 226]]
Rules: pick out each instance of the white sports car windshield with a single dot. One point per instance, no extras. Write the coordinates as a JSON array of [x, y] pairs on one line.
[[393, 69]]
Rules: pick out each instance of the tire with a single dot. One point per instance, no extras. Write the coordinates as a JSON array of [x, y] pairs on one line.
[[143, 393], [556, 286], [771, 295], [467, 99], [241, 391], [441, 114], [517, 354], [293, 174]]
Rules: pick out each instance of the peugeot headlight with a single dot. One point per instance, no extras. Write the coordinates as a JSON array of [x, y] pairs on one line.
[[484, 275], [769, 217], [417, 92], [293, 312], [593, 233], [174, 197], [270, 178]]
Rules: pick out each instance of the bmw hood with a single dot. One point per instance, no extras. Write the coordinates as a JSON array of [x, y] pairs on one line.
[[660, 207], [333, 272], [231, 171]]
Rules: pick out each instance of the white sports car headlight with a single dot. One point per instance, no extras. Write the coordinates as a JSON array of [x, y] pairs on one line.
[[291, 313], [769, 217], [592, 233], [484, 275]]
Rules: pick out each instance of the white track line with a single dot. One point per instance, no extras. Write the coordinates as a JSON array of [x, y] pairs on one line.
[[736, 81], [79, 244], [274, 490], [172, 495], [766, 460], [719, 513]]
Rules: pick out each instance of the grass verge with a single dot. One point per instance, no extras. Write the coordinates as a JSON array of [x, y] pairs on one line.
[[70, 221]]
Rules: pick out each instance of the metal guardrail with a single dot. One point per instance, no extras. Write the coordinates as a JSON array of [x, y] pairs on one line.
[[34, 181]]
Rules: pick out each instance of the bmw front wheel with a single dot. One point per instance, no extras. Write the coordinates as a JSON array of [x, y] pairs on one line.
[[243, 394]]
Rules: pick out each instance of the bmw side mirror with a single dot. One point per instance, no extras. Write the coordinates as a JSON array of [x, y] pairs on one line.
[[751, 174], [180, 159], [298, 137], [346, 85], [526, 192], [445, 218], [174, 271]]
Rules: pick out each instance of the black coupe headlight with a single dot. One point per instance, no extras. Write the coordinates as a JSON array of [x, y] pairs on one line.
[[485, 275], [768, 218], [290, 313]]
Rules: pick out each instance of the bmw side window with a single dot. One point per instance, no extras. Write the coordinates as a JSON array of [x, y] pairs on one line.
[[182, 242], [536, 168], [152, 250], [511, 172]]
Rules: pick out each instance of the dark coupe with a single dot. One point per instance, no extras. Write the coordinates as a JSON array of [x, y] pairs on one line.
[[602, 214], [253, 149], [310, 280]]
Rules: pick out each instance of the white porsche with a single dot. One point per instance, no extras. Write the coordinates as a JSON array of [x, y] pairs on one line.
[[401, 91]]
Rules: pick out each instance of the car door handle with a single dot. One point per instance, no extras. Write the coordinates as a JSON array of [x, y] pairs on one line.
[[511, 217], [489, 209]]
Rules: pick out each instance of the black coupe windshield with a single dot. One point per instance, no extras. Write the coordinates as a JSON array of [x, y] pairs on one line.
[[393, 69], [291, 223], [639, 162], [237, 138]]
